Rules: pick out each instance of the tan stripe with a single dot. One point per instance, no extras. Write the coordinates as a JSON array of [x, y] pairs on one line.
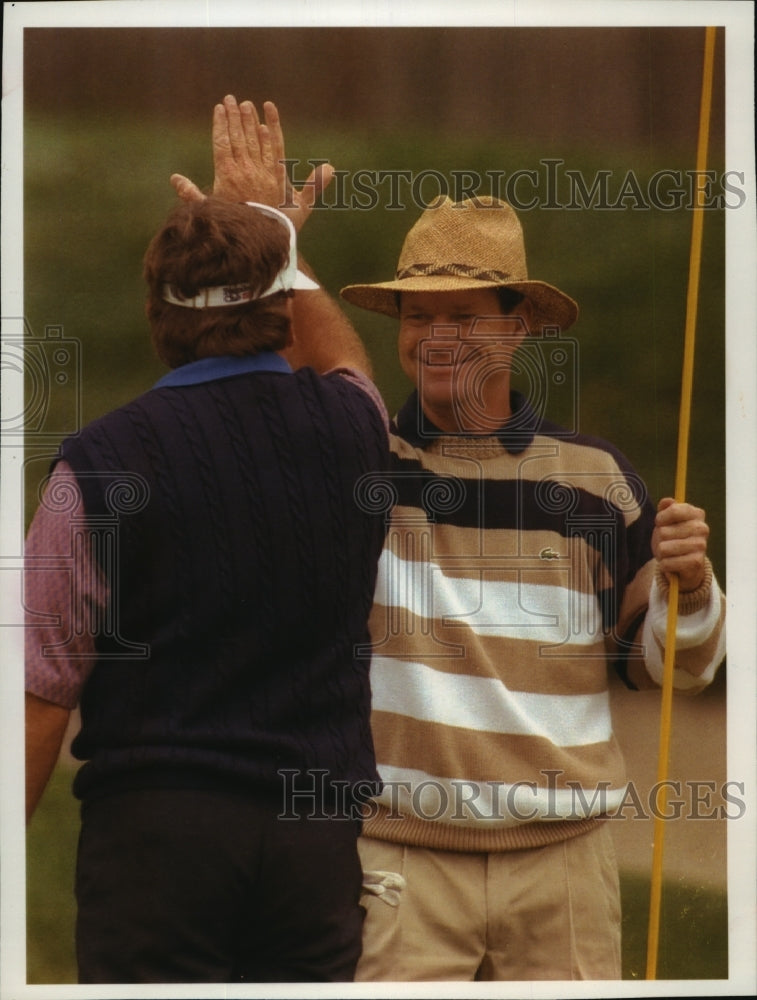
[[545, 556], [415, 832], [449, 752], [519, 664], [635, 601]]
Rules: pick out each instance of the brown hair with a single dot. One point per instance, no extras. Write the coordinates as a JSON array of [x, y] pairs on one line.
[[207, 243]]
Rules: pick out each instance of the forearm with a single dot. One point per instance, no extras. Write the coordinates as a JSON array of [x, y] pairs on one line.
[[324, 338], [45, 728]]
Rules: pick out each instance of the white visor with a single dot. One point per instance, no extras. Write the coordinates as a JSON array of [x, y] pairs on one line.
[[288, 278]]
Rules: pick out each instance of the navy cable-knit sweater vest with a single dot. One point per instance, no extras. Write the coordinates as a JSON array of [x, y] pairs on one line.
[[241, 579]]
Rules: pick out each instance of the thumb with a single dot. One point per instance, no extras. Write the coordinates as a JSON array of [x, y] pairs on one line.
[[187, 190], [316, 184]]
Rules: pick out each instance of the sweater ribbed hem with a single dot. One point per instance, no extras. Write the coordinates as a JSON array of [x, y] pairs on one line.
[[691, 600], [456, 837]]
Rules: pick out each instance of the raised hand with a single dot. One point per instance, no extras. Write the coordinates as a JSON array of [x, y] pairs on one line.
[[248, 159], [679, 542], [245, 169]]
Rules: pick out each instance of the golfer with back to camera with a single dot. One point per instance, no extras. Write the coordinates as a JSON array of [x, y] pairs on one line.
[[222, 579]]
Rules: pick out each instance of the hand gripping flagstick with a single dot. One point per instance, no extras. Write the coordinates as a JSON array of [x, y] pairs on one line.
[[680, 495]]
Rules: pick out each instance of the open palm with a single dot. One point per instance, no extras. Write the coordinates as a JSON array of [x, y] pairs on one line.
[[249, 163]]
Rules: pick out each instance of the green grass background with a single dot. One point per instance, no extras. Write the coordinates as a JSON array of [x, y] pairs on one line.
[[96, 190]]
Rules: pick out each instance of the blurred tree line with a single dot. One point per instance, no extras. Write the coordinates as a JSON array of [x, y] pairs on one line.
[[623, 87]]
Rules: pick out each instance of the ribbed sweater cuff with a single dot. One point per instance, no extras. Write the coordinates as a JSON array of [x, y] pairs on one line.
[[449, 837], [692, 600]]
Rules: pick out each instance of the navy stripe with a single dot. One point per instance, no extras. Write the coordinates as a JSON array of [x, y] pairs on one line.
[[530, 505]]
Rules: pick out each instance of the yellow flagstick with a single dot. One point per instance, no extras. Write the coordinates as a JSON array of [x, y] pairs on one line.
[[680, 495]]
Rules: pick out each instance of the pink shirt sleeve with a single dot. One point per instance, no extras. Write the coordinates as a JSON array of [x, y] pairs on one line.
[[364, 383], [65, 594]]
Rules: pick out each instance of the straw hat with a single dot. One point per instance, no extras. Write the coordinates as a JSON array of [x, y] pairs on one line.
[[462, 245]]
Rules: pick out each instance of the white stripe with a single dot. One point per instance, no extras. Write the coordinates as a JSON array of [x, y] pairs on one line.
[[551, 615], [485, 704], [458, 801], [692, 630]]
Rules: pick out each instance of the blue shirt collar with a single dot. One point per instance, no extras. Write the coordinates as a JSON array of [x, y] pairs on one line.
[[223, 366]]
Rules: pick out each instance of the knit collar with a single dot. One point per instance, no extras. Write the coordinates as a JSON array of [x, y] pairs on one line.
[[223, 366], [515, 435]]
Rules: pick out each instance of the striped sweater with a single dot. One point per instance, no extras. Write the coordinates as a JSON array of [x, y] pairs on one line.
[[516, 569]]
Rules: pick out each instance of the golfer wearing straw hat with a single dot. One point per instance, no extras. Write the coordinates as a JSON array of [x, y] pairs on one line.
[[522, 559]]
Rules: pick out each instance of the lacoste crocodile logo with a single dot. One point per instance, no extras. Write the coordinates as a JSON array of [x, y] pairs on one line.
[[549, 553]]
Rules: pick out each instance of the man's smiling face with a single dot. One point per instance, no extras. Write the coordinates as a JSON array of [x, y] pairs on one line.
[[456, 345]]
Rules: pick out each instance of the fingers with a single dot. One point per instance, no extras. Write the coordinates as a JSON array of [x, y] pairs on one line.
[[678, 525], [251, 132], [685, 559], [236, 134], [680, 547], [670, 513], [679, 541], [690, 570], [221, 139], [316, 184], [187, 190], [272, 148], [273, 133], [319, 178], [250, 163], [236, 130]]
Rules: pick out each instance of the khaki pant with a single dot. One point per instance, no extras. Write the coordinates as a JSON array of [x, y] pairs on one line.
[[545, 913]]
